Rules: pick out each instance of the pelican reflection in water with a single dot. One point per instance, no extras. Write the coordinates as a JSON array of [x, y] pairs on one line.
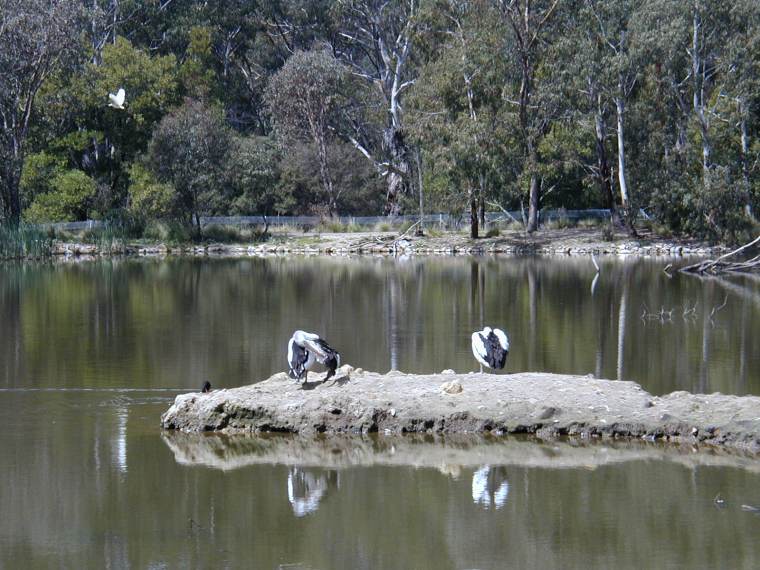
[[490, 487], [307, 488]]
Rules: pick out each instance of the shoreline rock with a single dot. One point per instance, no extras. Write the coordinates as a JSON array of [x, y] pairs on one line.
[[547, 242], [545, 405]]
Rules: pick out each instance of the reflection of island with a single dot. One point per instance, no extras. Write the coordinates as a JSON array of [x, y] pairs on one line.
[[307, 488], [448, 454], [490, 487]]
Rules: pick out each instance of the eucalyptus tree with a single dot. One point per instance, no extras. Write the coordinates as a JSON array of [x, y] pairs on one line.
[[620, 61], [95, 138], [455, 104], [188, 152], [600, 61], [686, 40], [305, 99], [741, 64], [533, 25], [584, 68], [375, 39], [36, 37]]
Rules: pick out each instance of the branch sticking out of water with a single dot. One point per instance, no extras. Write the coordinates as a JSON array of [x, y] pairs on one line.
[[720, 265]]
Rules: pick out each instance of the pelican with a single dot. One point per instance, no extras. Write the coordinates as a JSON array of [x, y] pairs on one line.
[[490, 487], [490, 347], [117, 101], [307, 488], [305, 350]]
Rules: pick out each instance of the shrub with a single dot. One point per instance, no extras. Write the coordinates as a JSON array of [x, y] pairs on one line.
[[67, 200]]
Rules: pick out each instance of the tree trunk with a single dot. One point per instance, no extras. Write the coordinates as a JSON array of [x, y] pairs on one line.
[[324, 174], [745, 160], [602, 164], [482, 201], [418, 159], [620, 111], [473, 212], [698, 79], [9, 179], [533, 204], [396, 184], [198, 224]]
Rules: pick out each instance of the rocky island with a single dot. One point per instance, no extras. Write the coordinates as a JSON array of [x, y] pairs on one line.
[[547, 405]]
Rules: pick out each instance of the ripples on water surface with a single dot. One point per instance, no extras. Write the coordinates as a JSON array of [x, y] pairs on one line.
[[89, 480]]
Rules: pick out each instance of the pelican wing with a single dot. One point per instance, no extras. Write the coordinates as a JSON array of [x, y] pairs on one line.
[[298, 359], [497, 356], [479, 349], [323, 351], [502, 336]]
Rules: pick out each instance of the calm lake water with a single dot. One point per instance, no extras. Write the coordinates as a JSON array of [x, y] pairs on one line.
[[92, 353]]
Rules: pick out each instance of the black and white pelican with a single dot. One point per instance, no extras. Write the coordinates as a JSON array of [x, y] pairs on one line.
[[307, 488], [490, 347], [490, 487], [305, 350]]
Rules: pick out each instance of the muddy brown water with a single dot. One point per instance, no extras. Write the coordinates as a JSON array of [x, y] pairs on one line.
[[92, 353]]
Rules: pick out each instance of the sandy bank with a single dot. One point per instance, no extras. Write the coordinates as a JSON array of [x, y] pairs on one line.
[[548, 405]]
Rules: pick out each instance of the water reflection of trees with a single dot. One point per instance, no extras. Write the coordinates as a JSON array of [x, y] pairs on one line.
[[180, 322], [565, 507]]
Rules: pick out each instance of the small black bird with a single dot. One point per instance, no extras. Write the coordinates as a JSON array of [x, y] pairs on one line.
[[206, 387]]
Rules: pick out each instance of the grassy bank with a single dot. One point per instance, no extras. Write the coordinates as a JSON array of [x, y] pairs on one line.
[[24, 242]]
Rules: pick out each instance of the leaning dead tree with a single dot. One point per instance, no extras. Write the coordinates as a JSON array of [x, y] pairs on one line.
[[724, 264]]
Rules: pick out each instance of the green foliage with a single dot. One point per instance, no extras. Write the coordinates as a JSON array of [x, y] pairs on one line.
[[188, 151], [167, 231], [148, 198], [37, 175], [713, 211], [196, 73], [67, 200], [253, 170], [281, 96]]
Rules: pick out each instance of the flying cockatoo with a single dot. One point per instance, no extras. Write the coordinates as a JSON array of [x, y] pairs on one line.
[[117, 101]]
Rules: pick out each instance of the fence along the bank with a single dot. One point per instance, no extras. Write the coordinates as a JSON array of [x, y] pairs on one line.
[[445, 221]]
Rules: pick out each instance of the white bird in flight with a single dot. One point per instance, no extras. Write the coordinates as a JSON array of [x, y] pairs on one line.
[[117, 101]]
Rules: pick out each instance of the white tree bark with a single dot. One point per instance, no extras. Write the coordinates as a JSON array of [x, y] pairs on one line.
[[620, 111]]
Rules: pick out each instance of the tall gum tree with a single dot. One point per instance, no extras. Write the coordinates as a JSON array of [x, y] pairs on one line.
[[531, 24], [375, 39], [305, 98], [455, 102]]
